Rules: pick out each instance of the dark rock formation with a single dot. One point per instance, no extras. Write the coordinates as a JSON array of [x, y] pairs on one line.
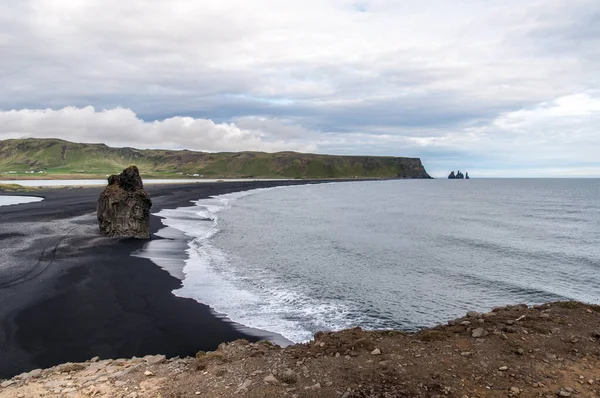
[[467, 176], [458, 175], [124, 207]]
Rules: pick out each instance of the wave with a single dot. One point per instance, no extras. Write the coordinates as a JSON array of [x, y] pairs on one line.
[[244, 293]]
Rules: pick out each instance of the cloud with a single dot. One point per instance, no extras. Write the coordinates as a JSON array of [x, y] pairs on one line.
[[553, 138], [433, 79], [122, 127]]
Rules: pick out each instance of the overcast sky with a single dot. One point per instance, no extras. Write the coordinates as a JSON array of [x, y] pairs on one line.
[[497, 88]]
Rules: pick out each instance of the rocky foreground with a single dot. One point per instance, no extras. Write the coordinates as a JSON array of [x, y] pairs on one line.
[[542, 351]]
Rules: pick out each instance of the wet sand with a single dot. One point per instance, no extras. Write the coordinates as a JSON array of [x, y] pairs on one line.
[[68, 294]]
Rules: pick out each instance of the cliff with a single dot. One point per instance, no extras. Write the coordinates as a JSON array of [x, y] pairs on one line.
[[514, 351], [47, 157]]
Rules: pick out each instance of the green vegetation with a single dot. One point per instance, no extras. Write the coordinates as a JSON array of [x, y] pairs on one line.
[[53, 158], [16, 188]]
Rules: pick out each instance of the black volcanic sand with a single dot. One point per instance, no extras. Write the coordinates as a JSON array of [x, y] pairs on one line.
[[68, 294]]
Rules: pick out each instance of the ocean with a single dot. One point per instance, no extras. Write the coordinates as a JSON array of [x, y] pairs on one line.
[[402, 254], [16, 199]]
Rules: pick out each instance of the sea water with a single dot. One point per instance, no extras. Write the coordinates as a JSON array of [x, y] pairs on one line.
[[401, 254], [15, 200]]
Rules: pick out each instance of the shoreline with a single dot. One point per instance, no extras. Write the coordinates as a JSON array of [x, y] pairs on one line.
[[171, 256], [68, 294]]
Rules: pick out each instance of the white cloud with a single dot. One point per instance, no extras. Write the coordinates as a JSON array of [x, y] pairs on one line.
[[121, 127]]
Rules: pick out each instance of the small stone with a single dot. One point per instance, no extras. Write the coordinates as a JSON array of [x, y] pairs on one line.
[[68, 390], [289, 376], [466, 353], [376, 351], [36, 373], [7, 383], [465, 323], [515, 390], [52, 384], [95, 359], [479, 332], [148, 373], [120, 383], [244, 386], [314, 387], [503, 368], [154, 359], [591, 381], [271, 379], [451, 322], [544, 315], [520, 351], [473, 314], [563, 393]]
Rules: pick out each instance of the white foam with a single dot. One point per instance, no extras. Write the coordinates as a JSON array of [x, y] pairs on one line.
[[15, 200], [245, 293]]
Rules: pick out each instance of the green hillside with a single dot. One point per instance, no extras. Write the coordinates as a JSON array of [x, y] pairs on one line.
[[51, 157]]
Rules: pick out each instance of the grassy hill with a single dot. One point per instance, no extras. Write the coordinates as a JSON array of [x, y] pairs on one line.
[[54, 157]]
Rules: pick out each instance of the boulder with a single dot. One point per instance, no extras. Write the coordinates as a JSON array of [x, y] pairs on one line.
[[124, 207]]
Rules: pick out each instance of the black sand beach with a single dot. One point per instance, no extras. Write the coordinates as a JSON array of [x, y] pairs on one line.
[[68, 294]]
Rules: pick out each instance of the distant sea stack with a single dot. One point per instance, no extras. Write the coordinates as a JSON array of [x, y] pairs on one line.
[[43, 157], [124, 207], [458, 175]]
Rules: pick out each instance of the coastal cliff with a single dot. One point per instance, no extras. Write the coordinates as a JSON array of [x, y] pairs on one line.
[[513, 351], [44, 158]]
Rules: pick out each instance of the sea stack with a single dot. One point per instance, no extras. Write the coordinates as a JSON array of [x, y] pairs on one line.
[[124, 207], [457, 176]]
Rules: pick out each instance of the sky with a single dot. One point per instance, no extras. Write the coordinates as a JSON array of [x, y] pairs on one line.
[[498, 88]]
